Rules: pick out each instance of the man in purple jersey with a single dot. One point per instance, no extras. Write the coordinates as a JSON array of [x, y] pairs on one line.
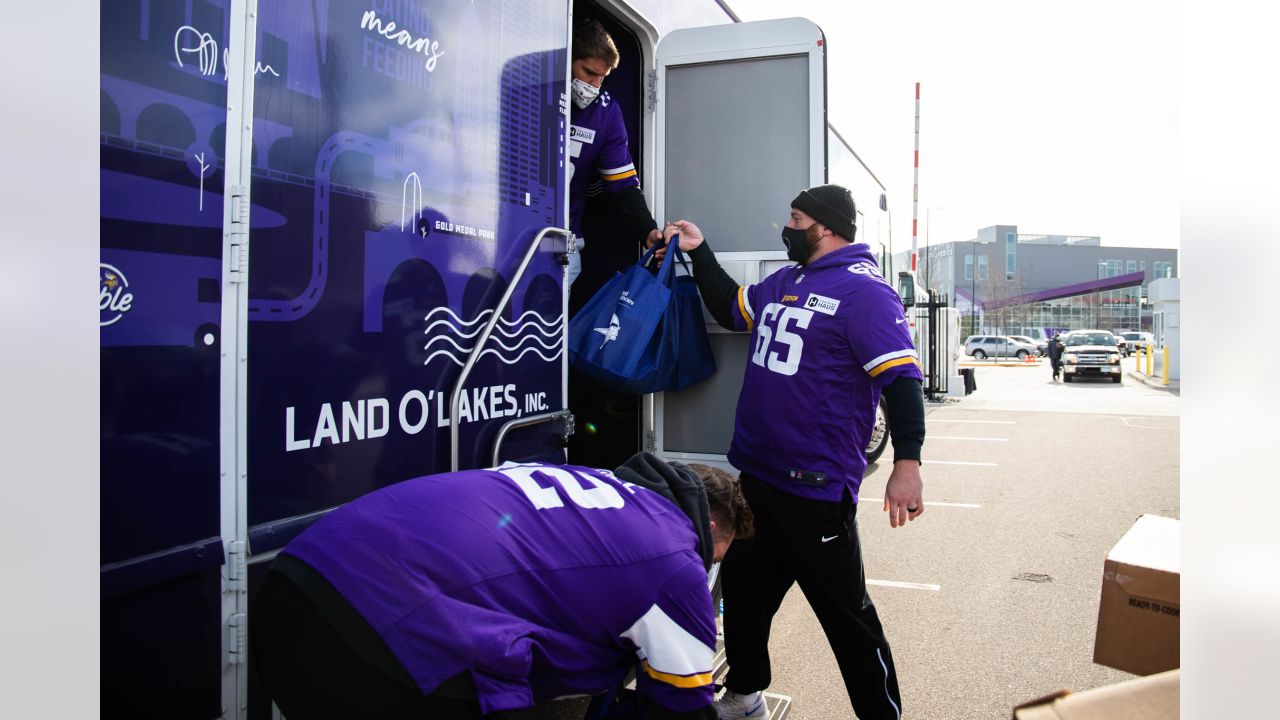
[[484, 592], [608, 214], [599, 160], [828, 337]]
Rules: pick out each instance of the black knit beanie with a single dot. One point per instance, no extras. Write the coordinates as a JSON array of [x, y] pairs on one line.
[[830, 205]]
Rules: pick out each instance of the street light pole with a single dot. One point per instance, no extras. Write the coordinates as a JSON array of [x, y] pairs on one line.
[[928, 226], [1097, 297], [973, 289], [928, 257]]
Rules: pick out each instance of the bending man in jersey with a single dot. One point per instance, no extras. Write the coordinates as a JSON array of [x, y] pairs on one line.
[[828, 337], [480, 592]]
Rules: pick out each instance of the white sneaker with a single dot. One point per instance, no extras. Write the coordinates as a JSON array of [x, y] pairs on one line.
[[732, 706]]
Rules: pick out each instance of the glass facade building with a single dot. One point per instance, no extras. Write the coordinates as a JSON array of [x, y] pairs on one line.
[[1049, 282]]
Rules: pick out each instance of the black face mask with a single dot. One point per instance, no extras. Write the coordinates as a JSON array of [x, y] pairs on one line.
[[799, 248], [796, 244]]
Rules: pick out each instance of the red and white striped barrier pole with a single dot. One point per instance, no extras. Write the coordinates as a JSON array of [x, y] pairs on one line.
[[915, 187]]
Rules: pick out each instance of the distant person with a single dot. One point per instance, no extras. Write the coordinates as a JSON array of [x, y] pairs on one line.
[[828, 337], [1054, 351], [483, 592]]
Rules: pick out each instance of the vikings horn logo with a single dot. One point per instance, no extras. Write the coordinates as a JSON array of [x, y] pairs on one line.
[[611, 332]]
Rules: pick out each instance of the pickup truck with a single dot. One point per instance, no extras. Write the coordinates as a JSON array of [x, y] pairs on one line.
[[1090, 353]]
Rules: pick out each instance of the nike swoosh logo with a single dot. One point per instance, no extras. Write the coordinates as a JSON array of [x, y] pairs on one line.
[[900, 320], [829, 539]]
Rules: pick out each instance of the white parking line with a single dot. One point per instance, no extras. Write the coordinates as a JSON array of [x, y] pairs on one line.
[[1125, 420], [934, 503], [943, 437], [904, 585], [957, 462], [984, 422]]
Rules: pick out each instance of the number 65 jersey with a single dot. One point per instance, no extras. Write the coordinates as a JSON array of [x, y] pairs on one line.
[[825, 339], [541, 580]]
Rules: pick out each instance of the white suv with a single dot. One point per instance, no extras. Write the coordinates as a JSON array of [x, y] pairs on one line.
[[1135, 340], [985, 346]]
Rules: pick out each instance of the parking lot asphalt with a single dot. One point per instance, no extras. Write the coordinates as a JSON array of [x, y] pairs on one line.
[[990, 598]]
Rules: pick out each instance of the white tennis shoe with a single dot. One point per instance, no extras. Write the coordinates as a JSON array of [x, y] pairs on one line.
[[732, 706]]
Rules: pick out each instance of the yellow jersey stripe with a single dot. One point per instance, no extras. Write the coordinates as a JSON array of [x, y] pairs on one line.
[[620, 176], [888, 356], [680, 681], [742, 307], [891, 364]]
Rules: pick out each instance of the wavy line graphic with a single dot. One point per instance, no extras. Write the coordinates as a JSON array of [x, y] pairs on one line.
[[451, 341], [524, 330], [495, 341], [545, 322], [553, 332], [491, 351]]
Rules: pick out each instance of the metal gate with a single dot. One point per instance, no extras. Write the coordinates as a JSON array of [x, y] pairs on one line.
[[937, 341]]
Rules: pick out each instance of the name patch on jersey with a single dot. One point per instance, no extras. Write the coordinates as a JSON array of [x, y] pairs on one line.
[[581, 134], [790, 298], [822, 304]]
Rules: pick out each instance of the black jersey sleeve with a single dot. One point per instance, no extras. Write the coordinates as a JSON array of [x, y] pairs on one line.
[[719, 291], [904, 404]]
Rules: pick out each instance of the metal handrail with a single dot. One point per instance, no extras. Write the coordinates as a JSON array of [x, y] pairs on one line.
[[455, 399], [524, 422]]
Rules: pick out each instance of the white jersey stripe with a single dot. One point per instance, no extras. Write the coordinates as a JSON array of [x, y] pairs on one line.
[[897, 712], [667, 647], [888, 356], [615, 171]]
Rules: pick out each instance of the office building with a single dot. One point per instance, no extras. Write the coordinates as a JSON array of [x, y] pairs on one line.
[[1003, 281]]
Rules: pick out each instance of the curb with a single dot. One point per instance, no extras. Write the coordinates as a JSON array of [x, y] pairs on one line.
[[1035, 364], [1154, 382]]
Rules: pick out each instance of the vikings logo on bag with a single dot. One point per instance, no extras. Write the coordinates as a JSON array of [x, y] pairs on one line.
[[611, 332]]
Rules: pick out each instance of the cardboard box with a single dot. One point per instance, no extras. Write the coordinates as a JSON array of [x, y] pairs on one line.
[[1149, 698], [1138, 621]]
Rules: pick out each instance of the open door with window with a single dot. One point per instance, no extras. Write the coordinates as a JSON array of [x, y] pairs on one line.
[[610, 423], [740, 129]]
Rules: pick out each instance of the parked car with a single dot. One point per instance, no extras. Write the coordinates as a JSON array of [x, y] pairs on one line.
[[982, 347], [879, 433], [1090, 353], [1135, 340], [1041, 345]]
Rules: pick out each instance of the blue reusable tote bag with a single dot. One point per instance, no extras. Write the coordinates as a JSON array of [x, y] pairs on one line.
[[617, 337], [685, 324]]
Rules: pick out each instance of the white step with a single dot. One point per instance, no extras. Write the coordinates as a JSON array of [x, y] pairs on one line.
[[777, 703]]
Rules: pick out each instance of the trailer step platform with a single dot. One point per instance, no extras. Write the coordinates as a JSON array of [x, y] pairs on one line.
[[777, 703]]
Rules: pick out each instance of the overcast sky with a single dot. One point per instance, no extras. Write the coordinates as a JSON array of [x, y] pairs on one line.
[[1060, 118]]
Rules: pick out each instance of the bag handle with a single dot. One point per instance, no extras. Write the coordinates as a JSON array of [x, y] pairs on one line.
[[680, 255], [648, 255], [666, 272]]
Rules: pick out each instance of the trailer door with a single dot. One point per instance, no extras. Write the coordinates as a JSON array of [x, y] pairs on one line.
[[740, 129]]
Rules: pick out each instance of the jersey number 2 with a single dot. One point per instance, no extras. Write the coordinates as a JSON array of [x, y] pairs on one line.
[[599, 495]]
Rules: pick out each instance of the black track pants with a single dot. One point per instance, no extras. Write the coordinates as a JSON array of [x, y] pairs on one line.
[[814, 543]]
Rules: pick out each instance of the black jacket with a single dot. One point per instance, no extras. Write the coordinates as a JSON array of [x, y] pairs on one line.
[[679, 484], [1055, 349]]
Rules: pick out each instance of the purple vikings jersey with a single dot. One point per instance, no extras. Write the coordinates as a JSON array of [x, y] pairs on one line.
[[542, 580], [597, 150], [825, 339]]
